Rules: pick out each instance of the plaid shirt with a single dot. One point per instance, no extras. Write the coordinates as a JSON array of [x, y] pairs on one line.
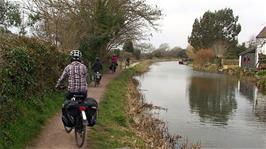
[[77, 77]]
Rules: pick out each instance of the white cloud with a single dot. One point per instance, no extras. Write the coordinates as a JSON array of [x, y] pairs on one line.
[[180, 15]]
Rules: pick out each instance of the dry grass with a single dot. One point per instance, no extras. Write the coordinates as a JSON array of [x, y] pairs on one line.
[[204, 56], [152, 130]]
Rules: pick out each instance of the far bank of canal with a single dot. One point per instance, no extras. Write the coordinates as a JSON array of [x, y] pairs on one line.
[[217, 110]]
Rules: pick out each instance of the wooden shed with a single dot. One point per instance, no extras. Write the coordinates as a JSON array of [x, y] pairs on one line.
[[247, 59]]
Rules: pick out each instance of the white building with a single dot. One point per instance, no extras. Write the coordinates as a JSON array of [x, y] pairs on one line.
[[252, 58], [261, 37]]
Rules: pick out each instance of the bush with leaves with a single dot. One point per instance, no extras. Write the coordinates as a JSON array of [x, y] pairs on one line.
[[7, 106], [29, 68], [9, 15], [20, 73]]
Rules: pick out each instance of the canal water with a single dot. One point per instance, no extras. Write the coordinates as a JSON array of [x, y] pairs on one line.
[[216, 110]]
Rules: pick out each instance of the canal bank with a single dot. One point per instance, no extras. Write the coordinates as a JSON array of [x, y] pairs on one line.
[[122, 121], [215, 109], [258, 78]]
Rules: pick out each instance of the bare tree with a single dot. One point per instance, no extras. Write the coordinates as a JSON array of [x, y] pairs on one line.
[[144, 47], [111, 22], [59, 21]]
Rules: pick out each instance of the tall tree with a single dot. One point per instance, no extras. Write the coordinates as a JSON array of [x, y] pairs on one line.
[[219, 27]]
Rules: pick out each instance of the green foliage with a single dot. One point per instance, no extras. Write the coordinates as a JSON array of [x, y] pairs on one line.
[[91, 48], [107, 23], [116, 52], [262, 85], [29, 70], [182, 54], [234, 52], [214, 26], [33, 18], [128, 46], [17, 134], [19, 75], [7, 106], [261, 73], [9, 14], [4, 30], [28, 62]]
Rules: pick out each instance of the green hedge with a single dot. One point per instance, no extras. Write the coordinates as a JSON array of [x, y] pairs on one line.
[[29, 69]]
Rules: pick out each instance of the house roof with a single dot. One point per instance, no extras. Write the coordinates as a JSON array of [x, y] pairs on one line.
[[262, 33], [248, 51]]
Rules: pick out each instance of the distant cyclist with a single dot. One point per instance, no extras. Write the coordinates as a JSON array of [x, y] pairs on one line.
[[97, 67], [114, 63]]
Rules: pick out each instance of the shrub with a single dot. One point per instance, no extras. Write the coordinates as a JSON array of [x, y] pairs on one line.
[[204, 56], [29, 68], [19, 73], [261, 73], [7, 106], [190, 53], [262, 84]]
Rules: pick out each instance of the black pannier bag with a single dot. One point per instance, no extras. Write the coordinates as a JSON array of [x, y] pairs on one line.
[[91, 112], [69, 112]]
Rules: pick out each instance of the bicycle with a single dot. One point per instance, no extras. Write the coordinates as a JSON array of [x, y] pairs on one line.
[[77, 118], [97, 78], [78, 113], [113, 67]]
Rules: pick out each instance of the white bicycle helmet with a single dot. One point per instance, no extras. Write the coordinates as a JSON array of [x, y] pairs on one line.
[[75, 55]]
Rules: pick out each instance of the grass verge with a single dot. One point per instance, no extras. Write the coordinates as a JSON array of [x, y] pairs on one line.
[[32, 114], [112, 128], [113, 125]]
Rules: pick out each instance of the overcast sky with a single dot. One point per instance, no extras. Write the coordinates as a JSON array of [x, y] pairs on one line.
[[176, 26]]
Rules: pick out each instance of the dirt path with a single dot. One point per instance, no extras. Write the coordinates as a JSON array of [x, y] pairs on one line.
[[53, 135]]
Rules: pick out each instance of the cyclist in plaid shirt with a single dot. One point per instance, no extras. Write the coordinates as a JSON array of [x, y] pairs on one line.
[[77, 76]]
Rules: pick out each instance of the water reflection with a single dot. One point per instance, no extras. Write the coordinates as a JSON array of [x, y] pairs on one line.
[[214, 109], [248, 90], [213, 98], [260, 108]]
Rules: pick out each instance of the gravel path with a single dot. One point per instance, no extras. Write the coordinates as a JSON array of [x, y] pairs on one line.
[[53, 135]]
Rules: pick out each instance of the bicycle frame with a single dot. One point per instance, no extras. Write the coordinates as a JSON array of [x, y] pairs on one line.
[[81, 122]]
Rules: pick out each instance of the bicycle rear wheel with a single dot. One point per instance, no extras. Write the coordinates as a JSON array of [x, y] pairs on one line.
[[80, 134]]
